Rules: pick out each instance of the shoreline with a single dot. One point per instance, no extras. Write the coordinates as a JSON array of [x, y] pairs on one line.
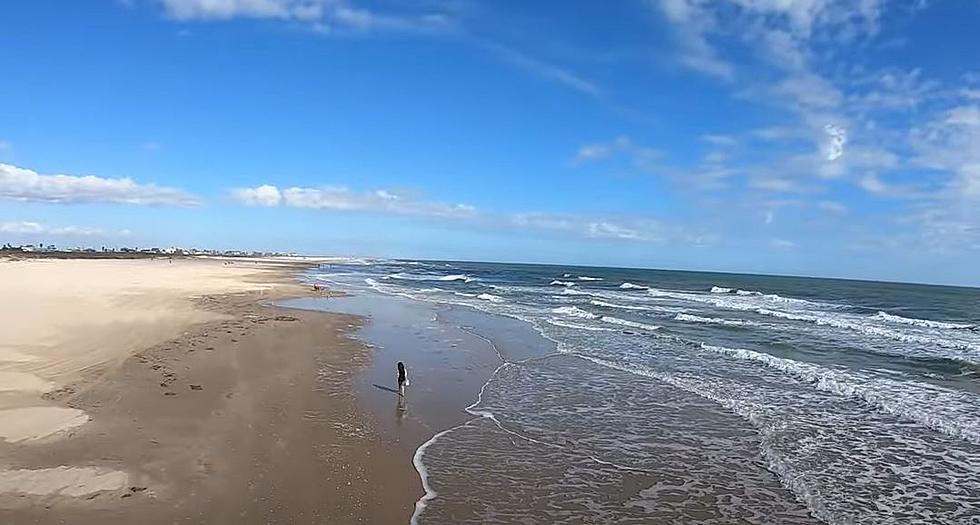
[[451, 361], [250, 416]]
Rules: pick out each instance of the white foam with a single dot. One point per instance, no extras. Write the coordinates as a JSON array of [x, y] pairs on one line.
[[631, 286], [574, 311], [928, 405], [597, 302], [587, 278], [743, 299], [574, 326], [490, 297], [572, 291], [857, 325], [429, 492], [556, 282], [456, 277], [631, 324], [713, 320], [415, 277], [921, 322]]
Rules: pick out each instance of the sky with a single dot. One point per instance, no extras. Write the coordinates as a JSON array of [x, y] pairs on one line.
[[834, 138]]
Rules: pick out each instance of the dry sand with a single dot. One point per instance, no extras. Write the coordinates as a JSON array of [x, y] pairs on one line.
[[64, 319], [164, 392]]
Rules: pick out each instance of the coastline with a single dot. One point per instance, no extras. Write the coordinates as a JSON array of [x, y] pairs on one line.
[[451, 359], [249, 415]]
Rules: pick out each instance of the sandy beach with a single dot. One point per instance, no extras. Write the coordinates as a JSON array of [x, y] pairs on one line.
[[161, 392]]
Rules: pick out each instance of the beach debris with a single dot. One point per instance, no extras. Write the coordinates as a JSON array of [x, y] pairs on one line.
[[196, 387]]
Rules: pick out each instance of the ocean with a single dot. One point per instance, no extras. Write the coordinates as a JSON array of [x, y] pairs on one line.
[[668, 396]]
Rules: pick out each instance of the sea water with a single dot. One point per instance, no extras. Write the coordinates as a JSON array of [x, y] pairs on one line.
[[663, 396]]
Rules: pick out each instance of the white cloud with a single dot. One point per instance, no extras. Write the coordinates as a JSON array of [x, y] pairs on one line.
[[324, 16], [641, 156], [782, 243], [774, 133], [264, 195], [605, 229], [894, 90], [836, 139], [833, 207], [36, 228], [27, 185], [601, 150], [343, 199], [719, 140], [543, 69], [629, 229], [227, 9], [964, 116], [873, 183], [693, 23], [386, 201], [21, 227]]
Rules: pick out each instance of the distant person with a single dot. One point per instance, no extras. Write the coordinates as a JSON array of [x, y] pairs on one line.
[[402, 378]]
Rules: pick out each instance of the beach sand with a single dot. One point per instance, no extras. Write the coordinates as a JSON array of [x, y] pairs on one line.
[[158, 392]]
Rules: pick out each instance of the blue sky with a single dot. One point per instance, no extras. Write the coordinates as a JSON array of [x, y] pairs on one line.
[[815, 137]]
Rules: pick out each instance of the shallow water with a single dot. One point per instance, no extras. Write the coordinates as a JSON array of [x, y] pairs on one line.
[[645, 396]]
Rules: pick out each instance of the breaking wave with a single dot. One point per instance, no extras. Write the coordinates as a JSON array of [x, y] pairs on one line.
[[597, 302], [928, 405], [574, 311], [631, 324], [713, 320], [926, 323], [414, 277]]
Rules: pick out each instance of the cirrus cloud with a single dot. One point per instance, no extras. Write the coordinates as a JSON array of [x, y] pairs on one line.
[[324, 16]]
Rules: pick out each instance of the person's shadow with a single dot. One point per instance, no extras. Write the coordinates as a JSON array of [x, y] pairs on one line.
[[401, 408], [387, 388]]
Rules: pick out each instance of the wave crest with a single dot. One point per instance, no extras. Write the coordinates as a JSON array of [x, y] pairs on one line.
[[926, 323], [574, 311]]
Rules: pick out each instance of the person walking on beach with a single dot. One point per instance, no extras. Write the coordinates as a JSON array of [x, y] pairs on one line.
[[402, 378]]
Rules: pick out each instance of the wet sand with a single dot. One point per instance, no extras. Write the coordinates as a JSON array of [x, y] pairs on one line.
[[247, 415], [446, 366], [448, 362]]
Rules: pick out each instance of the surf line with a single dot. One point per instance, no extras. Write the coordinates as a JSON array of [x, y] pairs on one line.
[[430, 493]]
